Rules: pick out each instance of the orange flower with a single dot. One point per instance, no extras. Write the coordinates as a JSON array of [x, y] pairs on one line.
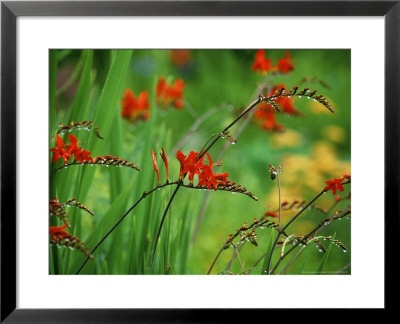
[[155, 165], [285, 65], [180, 57], [65, 151], [261, 63], [189, 164], [266, 116], [133, 108], [59, 151], [83, 156], [209, 179], [170, 94], [334, 184], [58, 233], [73, 148]]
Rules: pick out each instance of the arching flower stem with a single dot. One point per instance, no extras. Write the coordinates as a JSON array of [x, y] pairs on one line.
[[287, 225]]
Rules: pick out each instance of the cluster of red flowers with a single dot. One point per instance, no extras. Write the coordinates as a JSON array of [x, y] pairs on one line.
[[170, 94], [61, 237], [265, 114], [336, 184], [65, 151], [58, 233], [264, 65], [133, 108], [191, 165]]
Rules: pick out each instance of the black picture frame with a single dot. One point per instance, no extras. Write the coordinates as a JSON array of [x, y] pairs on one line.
[[10, 10]]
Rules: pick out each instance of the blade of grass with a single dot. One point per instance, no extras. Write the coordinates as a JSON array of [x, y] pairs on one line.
[[146, 178], [326, 255], [117, 208], [270, 243], [80, 107], [307, 255], [104, 115]]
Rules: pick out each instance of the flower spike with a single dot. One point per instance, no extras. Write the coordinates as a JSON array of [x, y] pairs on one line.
[[85, 125], [60, 237]]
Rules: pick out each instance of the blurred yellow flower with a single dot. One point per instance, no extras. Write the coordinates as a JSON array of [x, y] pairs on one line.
[[289, 138], [306, 174], [334, 133]]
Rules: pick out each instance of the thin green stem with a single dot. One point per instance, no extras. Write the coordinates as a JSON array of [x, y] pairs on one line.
[[162, 222], [279, 195], [144, 195], [287, 225], [303, 240], [216, 258], [250, 107]]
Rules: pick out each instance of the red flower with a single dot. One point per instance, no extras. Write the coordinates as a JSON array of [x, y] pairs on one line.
[[59, 151], [207, 177], [73, 148], [170, 95], [210, 180], [58, 233], [65, 151], [337, 198], [133, 108], [271, 214], [261, 63], [155, 165], [334, 184], [266, 116], [189, 164], [83, 156], [164, 157], [285, 65]]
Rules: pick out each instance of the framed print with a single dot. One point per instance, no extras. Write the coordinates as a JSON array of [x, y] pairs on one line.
[[190, 153]]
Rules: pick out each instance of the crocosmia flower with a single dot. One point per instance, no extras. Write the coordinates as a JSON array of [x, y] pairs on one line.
[[168, 95], [189, 164], [261, 63], [65, 151], [83, 156], [133, 108], [60, 151], [285, 65], [334, 184], [265, 116], [58, 232]]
